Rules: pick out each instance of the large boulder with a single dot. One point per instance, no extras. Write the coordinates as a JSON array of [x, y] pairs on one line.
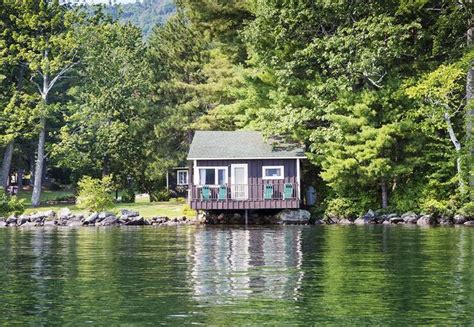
[[50, 214], [125, 213], [368, 218], [426, 220], [469, 223], [299, 216], [410, 217], [64, 213], [91, 219], [136, 221], [12, 220], [396, 220], [459, 219], [345, 222], [110, 221]]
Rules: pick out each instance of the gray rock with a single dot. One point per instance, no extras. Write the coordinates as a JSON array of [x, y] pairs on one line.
[[459, 219], [64, 213], [426, 220], [410, 218], [446, 221], [319, 222], [109, 221], [369, 215], [91, 219], [136, 221], [396, 220], [25, 219], [345, 222], [386, 222], [392, 215], [11, 221], [469, 223], [299, 216], [104, 215], [125, 213]]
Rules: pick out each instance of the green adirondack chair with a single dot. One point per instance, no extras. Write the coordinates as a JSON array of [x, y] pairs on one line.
[[205, 193], [287, 191], [222, 195], [268, 192]]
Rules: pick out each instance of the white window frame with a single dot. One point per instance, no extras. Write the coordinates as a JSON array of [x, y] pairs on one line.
[[177, 177], [282, 168], [216, 177]]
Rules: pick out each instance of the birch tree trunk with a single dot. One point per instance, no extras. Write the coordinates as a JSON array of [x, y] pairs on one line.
[[457, 146], [6, 164], [36, 196]]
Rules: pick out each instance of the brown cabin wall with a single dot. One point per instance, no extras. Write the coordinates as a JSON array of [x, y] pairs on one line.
[[255, 169], [254, 178]]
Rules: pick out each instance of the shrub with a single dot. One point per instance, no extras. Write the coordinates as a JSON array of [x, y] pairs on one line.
[[163, 195], [467, 210], [178, 200], [10, 205], [342, 208], [128, 196], [95, 194], [437, 208], [187, 211]]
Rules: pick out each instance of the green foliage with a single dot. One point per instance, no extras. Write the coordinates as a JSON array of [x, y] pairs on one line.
[[10, 205], [95, 194], [128, 196], [342, 208], [467, 210], [178, 200], [163, 195], [187, 211]]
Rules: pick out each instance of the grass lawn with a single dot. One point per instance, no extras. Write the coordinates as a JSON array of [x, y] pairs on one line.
[[146, 208]]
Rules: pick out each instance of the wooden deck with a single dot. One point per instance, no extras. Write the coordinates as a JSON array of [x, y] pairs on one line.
[[239, 197]]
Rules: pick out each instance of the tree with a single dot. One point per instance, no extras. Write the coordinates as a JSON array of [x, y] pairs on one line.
[[109, 123], [50, 53]]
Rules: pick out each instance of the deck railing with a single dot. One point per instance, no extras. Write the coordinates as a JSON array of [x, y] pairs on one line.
[[243, 192]]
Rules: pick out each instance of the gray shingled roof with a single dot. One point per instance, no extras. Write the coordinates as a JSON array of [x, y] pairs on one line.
[[239, 145]]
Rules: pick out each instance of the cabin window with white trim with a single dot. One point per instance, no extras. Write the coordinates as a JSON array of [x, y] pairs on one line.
[[182, 177], [273, 172], [212, 175]]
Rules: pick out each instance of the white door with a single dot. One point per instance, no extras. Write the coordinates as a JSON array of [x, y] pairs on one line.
[[239, 181]]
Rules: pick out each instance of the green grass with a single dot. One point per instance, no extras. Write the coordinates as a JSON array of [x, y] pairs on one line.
[[146, 208]]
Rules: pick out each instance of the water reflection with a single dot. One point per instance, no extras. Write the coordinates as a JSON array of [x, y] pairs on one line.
[[239, 263]]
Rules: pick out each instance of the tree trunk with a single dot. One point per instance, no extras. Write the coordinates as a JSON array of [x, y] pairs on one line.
[[6, 165], [21, 173], [470, 110], [383, 188], [457, 146], [35, 197]]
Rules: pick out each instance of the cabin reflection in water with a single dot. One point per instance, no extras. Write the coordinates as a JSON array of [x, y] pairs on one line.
[[237, 263]]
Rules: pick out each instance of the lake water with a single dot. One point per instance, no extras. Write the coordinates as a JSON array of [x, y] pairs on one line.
[[226, 275]]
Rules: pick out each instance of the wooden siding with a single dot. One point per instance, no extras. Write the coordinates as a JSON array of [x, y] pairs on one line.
[[256, 199], [175, 189]]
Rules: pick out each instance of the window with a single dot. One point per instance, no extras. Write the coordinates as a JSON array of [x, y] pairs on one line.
[[273, 172], [212, 175], [182, 176]]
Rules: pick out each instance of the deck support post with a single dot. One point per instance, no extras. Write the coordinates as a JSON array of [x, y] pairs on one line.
[[246, 217]]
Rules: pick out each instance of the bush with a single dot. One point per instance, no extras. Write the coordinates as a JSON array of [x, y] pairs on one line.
[[437, 208], [342, 208], [467, 210], [187, 211], [178, 200], [128, 196], [10, 205], [95, 194], [163, 195]]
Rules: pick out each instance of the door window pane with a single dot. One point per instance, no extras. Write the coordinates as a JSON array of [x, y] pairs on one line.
[[221, 177], [182, 177]]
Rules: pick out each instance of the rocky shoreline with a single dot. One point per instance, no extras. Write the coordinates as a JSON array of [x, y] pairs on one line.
[[65, 218], [408, 218]]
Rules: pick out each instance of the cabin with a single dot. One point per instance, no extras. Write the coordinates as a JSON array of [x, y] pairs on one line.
[[240, 170], [177, 181]]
